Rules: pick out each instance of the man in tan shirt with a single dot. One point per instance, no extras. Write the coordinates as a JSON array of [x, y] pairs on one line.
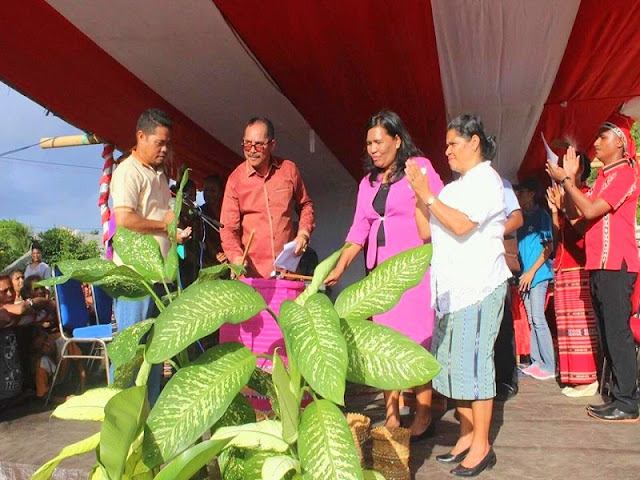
[[141, 202]]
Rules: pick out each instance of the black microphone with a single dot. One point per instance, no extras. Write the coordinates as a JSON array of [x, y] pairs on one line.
[[212, 222]]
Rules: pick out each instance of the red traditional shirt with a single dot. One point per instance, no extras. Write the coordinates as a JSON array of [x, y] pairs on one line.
[[611, 239], [263, 203]]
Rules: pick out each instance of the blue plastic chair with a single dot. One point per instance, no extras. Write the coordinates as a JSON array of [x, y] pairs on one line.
[[74, 318]]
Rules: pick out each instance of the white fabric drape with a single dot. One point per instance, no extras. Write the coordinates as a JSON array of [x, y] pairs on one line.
[[499, 60]]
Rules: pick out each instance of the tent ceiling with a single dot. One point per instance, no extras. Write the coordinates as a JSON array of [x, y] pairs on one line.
[[525, 67]]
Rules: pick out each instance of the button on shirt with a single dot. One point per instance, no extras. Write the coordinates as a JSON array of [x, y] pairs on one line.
[[264, 204], [145, 190], [611, 239]]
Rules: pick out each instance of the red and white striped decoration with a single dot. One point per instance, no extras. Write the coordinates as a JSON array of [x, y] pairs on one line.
[[105, 182]]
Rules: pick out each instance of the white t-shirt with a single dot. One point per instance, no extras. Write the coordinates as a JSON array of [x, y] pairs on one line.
[[42, 269], [466, 269]]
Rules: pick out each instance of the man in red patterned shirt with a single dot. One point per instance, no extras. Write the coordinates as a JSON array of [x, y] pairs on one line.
[[609, 210], [258, 198]]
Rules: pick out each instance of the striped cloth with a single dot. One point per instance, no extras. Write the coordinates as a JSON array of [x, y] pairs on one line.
[[463, 345], [577, 333]]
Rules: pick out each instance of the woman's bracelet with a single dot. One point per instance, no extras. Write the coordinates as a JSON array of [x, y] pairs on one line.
[[564, 180]]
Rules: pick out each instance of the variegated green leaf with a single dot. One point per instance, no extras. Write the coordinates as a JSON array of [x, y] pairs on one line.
[[88, 270], [78, 448], [381, 289], [314, 341], [88, 406], [124, 375], [289, 407], [200, 310], [262, 382], [217, 272], [171, 261], [319, 274], [383, 358], [189, 462], [123, 282], [124, 419], [275, 468], [231, 462], [240, 411], [124, 345], [142, 252], [194, 399], [325, 444], [265, 435], [253, 463]]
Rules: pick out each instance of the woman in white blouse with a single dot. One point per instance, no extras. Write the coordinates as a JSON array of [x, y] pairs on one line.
[[468, 283]]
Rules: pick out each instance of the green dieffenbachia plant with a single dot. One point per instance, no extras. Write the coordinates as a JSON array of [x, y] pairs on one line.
[[201, 414]]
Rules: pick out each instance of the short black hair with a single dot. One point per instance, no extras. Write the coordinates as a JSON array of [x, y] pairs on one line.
[[469, 125], [151, 119], [271, 131]]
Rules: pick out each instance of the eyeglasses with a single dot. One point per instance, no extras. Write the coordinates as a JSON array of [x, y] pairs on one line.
[[259, 146]]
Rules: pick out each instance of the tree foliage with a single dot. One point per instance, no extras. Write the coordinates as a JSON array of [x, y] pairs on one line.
[[15, 240], [63, 244]]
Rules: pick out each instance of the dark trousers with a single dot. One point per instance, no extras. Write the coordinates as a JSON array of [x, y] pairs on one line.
[[504, 350], [611, 294]]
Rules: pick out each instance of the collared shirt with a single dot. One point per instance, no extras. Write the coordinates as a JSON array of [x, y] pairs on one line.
[[145, 190], [263, 204], [611, 239], [466, 269]]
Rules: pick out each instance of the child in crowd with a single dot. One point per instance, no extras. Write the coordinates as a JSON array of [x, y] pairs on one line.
[[535, 244]]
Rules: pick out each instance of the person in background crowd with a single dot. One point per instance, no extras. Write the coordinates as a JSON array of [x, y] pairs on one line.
[[609, 210], [469, 283], [575, 318], [17, 280], [505, 349], [384, 194], [37, 266], [212, 253], [535, 244]]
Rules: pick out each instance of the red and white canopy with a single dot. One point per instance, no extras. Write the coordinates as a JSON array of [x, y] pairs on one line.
[[319, 69]]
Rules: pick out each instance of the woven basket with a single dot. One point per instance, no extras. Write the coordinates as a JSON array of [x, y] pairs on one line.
[[390, 452], [359, 425]]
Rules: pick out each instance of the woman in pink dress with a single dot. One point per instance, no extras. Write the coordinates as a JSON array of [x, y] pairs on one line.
[[385, 222]]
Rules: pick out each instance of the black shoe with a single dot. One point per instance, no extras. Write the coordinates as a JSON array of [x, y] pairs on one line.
[[426, 434], [486, 463], [505, 391], [450, 458], [613, 414], [599, 407]]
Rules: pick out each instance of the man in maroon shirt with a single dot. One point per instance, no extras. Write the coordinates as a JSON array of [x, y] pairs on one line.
[[612, 255], [258, 198]]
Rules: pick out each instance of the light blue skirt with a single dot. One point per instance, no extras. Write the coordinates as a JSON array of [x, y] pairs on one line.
[[463, 345]]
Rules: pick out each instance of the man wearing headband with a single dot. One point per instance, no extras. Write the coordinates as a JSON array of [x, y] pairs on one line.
[[608, 211]]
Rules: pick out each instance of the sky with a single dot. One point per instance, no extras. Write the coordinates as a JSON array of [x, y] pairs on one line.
[[45, 188]]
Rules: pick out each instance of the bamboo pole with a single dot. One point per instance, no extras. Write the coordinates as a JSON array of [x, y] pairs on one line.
[[70, 141]]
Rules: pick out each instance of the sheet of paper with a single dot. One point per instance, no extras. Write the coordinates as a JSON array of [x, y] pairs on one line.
[[552, 157], [287, 259]]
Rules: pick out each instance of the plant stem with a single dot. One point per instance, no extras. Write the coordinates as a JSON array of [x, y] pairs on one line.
[[143, 373], [272, 313], [166, 289], [155, 297]]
